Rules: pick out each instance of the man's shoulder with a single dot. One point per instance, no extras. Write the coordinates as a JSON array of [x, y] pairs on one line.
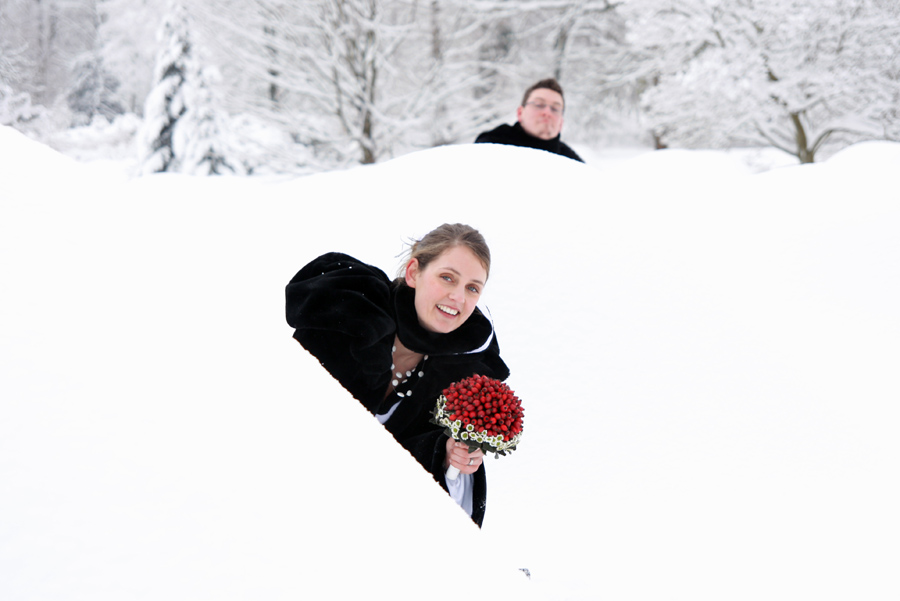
[[566, 151], [514, 135], [501, 133]]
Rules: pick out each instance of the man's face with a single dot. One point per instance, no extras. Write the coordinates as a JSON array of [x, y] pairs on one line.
[[542, 115]]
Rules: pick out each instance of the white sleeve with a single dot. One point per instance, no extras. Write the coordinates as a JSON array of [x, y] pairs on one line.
[[383, 417], [461, 491]]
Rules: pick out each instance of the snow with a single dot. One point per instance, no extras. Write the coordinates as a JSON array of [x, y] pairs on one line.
[[707, 357]]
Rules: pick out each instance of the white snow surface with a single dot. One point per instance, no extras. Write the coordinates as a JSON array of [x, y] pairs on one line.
[[708, 359]]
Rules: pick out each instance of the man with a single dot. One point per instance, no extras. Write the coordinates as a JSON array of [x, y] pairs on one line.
[[540, 119]]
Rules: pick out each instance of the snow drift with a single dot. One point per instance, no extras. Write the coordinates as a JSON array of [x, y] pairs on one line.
[[706, 357]]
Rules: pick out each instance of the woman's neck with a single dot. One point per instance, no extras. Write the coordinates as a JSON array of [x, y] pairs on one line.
[[402, 360]]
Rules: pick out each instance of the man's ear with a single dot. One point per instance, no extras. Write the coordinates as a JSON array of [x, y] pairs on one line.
[[412, 272], [519, 113]]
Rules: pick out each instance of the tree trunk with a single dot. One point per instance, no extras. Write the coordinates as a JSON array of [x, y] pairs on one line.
[[370, 75], [274, 92], [559, 49], [804, 152]]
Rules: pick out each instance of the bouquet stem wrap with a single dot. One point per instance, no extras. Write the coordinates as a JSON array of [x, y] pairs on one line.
[[482, 412]]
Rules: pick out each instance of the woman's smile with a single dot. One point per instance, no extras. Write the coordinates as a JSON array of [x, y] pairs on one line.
[[448, 310]]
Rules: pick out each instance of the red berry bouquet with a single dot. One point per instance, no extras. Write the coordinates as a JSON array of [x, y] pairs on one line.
[[482, 412]]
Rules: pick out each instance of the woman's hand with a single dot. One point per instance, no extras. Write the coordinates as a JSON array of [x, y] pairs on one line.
[[458, 456]]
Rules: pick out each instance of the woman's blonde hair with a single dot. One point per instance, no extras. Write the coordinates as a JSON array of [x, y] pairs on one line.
[[443, 238]]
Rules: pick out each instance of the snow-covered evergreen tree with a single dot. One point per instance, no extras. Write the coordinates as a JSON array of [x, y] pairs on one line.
[[165, 104], [184, 124], [198, 137]]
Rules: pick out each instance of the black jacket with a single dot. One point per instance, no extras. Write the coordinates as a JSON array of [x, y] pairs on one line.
[[514, 135], [346, 314]]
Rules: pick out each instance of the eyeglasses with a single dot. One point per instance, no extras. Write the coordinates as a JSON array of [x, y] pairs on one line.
[[554, 108]]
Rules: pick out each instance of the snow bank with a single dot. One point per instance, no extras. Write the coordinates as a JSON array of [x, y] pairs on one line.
[[706, 358]]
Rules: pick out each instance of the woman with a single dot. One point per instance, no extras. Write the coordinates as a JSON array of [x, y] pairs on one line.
[[396, 345]]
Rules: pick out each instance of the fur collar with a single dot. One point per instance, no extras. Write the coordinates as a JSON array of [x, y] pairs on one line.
[[472, 336]]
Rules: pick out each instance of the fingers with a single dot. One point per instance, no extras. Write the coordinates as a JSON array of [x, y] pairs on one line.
[[463, 460]]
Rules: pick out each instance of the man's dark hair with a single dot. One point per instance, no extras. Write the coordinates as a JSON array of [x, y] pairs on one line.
[[550, 84]]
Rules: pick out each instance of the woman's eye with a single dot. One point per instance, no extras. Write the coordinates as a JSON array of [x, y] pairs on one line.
[[447, 278], [474, 290]]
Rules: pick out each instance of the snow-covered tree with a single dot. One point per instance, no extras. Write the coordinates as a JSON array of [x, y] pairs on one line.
[[166, 102], [16, 108], [184, 123], [93, 91], [44, 37], [791, 74], [12, 50], [198, 136]]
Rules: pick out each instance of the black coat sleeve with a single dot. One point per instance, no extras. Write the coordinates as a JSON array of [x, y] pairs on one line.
[[339, 308]]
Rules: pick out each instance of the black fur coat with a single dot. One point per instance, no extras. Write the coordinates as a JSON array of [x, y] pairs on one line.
[[346, 313]]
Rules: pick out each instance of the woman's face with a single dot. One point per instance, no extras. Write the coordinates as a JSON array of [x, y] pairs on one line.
[[448, 289]]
